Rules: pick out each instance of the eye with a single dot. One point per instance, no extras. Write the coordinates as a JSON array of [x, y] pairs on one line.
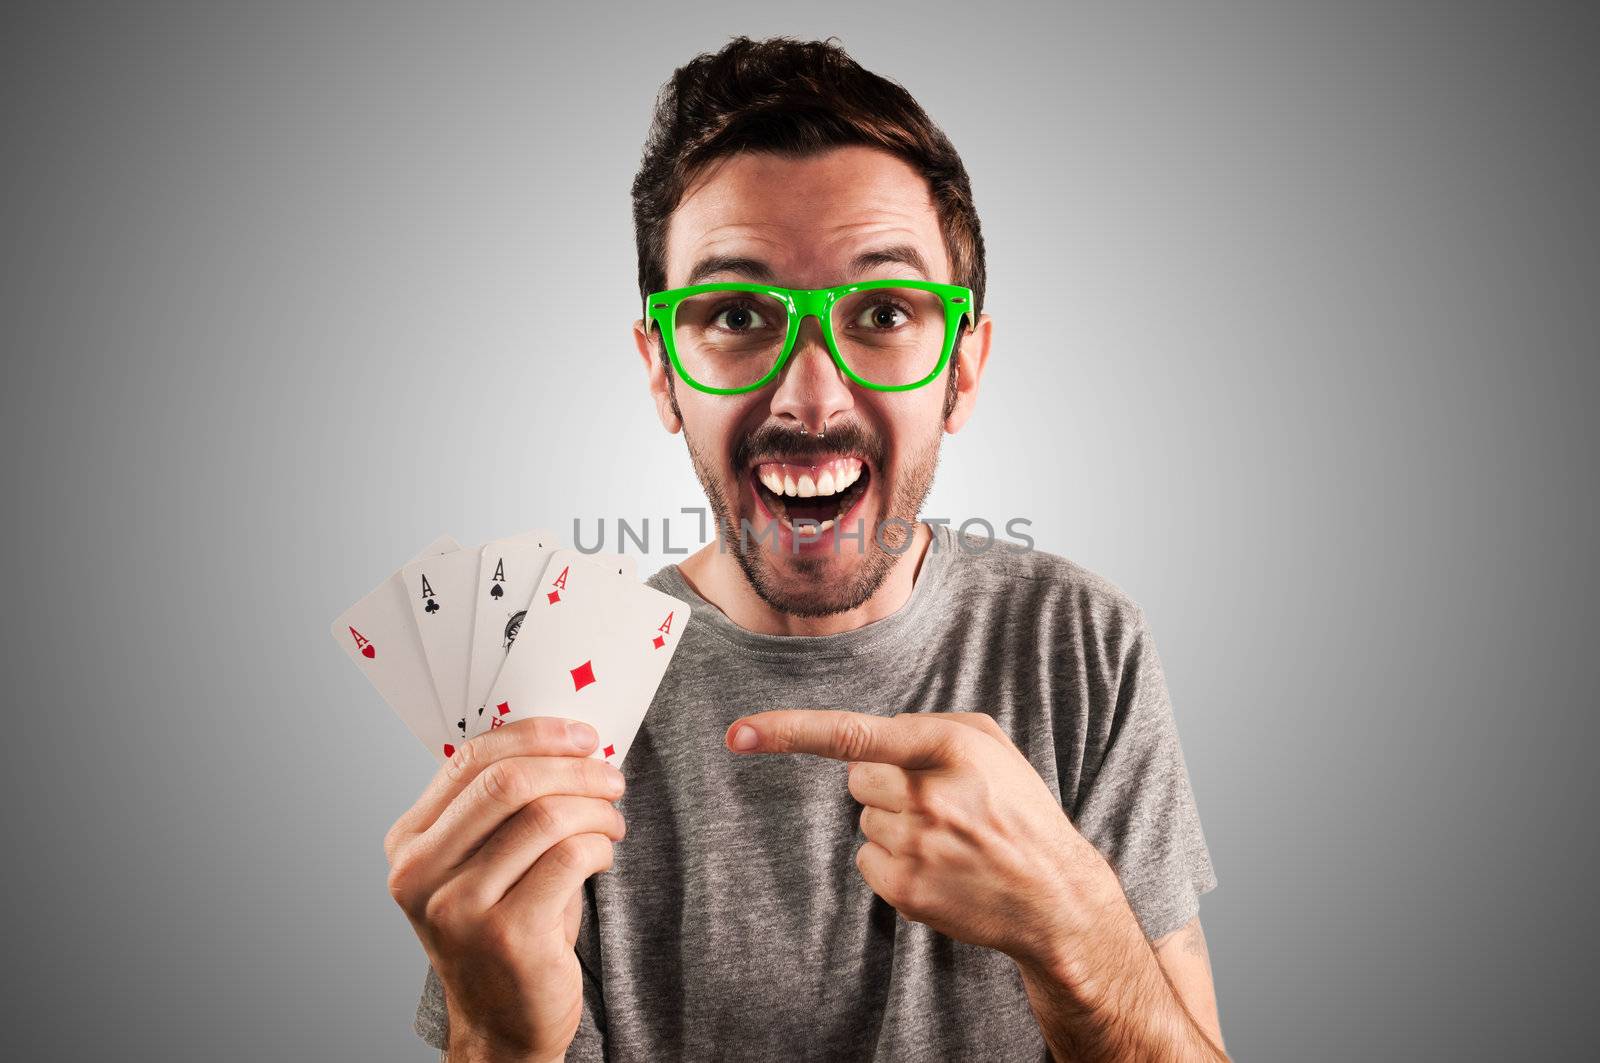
[[881, 315], [739, 317]]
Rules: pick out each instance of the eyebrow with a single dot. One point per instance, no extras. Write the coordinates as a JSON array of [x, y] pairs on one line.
[[752, 268], [758, 271], [896, 254]]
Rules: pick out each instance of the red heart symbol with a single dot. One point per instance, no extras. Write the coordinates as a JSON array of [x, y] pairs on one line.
[[369, 651], [449, 750]]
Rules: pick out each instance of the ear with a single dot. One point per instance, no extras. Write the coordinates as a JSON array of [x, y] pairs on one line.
[[657, 374], [971, 356]]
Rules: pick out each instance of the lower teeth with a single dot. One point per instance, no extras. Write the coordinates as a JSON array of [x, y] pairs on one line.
[[809, 527]]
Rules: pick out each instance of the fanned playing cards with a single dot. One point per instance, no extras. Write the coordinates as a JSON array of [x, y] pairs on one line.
[[460, 641]]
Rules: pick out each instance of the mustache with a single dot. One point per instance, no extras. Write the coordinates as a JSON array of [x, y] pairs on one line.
[[776, 442]]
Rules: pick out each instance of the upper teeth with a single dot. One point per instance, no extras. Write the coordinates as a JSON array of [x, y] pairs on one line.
[[809, 481]]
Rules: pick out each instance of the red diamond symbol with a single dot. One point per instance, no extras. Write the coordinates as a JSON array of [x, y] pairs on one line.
[[610, 750], [659, 642], [554, 596], [449, 750], [583, 675], [503, 708]]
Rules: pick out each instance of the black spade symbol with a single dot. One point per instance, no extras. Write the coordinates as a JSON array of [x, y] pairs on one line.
[[431, 607], [461, 725], [497, 592]]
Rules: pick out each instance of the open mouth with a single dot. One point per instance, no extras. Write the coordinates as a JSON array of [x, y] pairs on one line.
[[822, 492]]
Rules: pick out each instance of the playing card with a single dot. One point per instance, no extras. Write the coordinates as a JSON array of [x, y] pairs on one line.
[[507, 574], [441, 592], [593, 647], [380, 636]]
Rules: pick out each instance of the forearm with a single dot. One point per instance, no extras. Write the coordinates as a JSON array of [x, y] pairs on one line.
[[1112, 1001], [480, 1055], [465, 1048]]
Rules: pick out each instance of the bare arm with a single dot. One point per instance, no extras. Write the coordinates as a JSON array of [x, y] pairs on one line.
[[1126, 998], [444, 1057], [1186, 962]]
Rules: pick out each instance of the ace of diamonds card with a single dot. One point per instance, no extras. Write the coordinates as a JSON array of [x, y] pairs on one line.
[[593, 647]]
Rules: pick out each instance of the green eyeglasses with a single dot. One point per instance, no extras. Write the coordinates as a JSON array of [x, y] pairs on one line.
[[888, 335]]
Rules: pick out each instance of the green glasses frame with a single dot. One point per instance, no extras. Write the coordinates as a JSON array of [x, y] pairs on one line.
[[801, 303]]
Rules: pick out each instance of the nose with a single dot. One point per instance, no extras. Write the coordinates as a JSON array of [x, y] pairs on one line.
[[811, 390]]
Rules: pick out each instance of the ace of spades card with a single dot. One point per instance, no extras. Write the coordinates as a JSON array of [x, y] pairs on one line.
[[506, 575], [593, 647]]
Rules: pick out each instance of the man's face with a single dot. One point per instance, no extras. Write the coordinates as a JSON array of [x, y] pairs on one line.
[[807, 223]]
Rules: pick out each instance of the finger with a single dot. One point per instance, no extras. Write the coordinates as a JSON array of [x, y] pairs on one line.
[[530, 737], [909, 740], [884, 785], [553, 879], [892, 830], [496, 794], [876, 865], [521, 840]]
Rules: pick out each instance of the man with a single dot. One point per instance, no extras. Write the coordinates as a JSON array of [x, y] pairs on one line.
[[989, 849]]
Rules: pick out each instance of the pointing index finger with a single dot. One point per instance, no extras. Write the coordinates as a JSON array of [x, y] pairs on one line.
[[909, 740]]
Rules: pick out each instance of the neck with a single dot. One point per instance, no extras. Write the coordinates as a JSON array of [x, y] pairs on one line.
[[716, 576]]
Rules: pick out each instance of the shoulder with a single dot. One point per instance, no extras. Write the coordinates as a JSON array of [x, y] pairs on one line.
[[665, 579], [1033, 603], [1049, 589]]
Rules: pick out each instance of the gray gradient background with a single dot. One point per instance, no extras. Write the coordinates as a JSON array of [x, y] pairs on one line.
[[1295, 342]]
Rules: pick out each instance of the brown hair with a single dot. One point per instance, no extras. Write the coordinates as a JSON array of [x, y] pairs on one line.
[[793, 98]]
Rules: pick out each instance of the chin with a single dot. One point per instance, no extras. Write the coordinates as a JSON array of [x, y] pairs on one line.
[[814, 586]]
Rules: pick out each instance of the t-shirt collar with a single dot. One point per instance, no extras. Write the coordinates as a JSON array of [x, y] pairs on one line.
[[880, 634]]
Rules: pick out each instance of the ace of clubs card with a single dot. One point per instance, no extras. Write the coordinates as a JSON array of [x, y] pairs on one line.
[[441, 593]]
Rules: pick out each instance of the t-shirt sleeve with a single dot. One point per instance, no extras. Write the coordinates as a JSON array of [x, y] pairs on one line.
[[588, 1044], [1138, 808]]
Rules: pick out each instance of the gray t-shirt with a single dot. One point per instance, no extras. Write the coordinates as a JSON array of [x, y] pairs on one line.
[[734, 923]]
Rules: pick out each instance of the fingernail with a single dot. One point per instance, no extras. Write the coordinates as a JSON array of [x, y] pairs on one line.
[[744, 737], [583, 736]]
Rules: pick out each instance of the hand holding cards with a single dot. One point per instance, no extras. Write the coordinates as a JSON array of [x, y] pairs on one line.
[[461, 641], [439, 637]]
